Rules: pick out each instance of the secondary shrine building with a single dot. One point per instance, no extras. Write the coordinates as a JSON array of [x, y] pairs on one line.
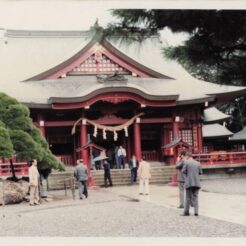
[[111, 94]]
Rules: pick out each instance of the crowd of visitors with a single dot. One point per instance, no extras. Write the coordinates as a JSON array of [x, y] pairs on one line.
[[188, 176]]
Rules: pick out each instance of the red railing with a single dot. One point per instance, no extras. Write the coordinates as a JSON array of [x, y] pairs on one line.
[[151, 155], [21, 169], [66, 159], [221, 157]]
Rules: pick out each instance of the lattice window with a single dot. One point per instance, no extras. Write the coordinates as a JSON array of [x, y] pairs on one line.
[[185, 134], [95, 64]]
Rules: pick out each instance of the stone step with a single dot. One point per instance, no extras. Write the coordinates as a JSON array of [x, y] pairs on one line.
[[159, 175]]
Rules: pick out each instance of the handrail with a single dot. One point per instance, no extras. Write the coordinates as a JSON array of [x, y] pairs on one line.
[[21, 169], [221, 157]]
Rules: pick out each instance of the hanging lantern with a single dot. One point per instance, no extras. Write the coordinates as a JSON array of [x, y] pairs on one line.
[[115, 136], [104, 134], [95, 132], [126, 131]]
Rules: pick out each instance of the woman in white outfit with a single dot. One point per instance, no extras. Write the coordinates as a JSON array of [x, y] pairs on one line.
[[144, 176]]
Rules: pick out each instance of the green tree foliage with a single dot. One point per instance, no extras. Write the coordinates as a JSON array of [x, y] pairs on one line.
[[17, 117], [20, 136], [25, 147], [217, 39], [214, 51], [6, 146]]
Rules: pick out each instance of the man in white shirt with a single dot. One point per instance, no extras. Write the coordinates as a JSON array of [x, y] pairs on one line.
[[121, 155]]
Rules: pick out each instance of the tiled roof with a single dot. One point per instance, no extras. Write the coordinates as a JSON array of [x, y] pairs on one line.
[[214, 115], [239, 136], [25, 54], [215, 130]]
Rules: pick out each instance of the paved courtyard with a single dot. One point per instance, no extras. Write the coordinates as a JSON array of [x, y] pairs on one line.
[[121, 212]]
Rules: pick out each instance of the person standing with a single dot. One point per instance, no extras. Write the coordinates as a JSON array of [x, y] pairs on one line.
[[107, 175], [144, 176], [191, 170], [133, 165], [34, 183], [96, 153], [81, 175], [181, 178], [117, 163], [110, 157], [121, 156]]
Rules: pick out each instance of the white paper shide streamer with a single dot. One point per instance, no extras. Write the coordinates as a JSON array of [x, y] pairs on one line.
[[126, 131], [95, 132], [115, 136], [104, 134]]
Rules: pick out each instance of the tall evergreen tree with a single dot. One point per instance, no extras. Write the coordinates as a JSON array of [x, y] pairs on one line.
[[20, 137], [215, 49]]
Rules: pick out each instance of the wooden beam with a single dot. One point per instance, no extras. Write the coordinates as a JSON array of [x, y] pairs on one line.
[[109, 121]]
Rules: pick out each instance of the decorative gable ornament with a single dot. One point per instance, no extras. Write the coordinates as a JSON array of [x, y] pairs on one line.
[[115, 77]]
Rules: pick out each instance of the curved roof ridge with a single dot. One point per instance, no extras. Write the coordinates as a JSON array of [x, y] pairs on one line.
[[44, 33]]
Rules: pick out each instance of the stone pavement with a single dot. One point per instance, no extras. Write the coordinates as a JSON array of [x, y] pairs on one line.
[[121, 212], [222, 206]]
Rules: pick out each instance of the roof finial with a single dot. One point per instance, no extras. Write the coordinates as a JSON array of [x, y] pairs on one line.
[[96, 23]]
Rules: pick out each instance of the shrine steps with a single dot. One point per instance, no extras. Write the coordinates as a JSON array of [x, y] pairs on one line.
[[160, 174]]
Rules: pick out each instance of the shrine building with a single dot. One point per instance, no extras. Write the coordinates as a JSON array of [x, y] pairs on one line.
[[108, 93]]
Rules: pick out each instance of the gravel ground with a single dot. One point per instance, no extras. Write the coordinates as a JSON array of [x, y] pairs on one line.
[[108, 215], [226, 186]]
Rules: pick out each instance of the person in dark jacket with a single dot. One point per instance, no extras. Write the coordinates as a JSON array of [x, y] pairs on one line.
[[181, 178], [191, 170], [96, 153], [81, 175], [107, 176], [133, 165]]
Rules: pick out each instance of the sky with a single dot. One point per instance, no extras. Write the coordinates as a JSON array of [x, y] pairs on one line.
[[82, 14], [66, 15]]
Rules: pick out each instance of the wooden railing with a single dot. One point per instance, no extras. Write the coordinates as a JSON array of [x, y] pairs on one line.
[[221, 157], [21, 169], [66, 159], [150, 155]]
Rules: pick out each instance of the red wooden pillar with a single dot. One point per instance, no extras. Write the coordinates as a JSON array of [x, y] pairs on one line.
[[175, 129], [137, 140], [129, 152], [174, 181], [74, 150], [83, 141], [175, 134], [199, 132], [41, 126], [84, 152]]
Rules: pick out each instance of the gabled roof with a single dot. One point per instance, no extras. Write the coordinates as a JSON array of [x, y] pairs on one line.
[[215, 130], [239, 136], [76, 59], [212, 115]]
